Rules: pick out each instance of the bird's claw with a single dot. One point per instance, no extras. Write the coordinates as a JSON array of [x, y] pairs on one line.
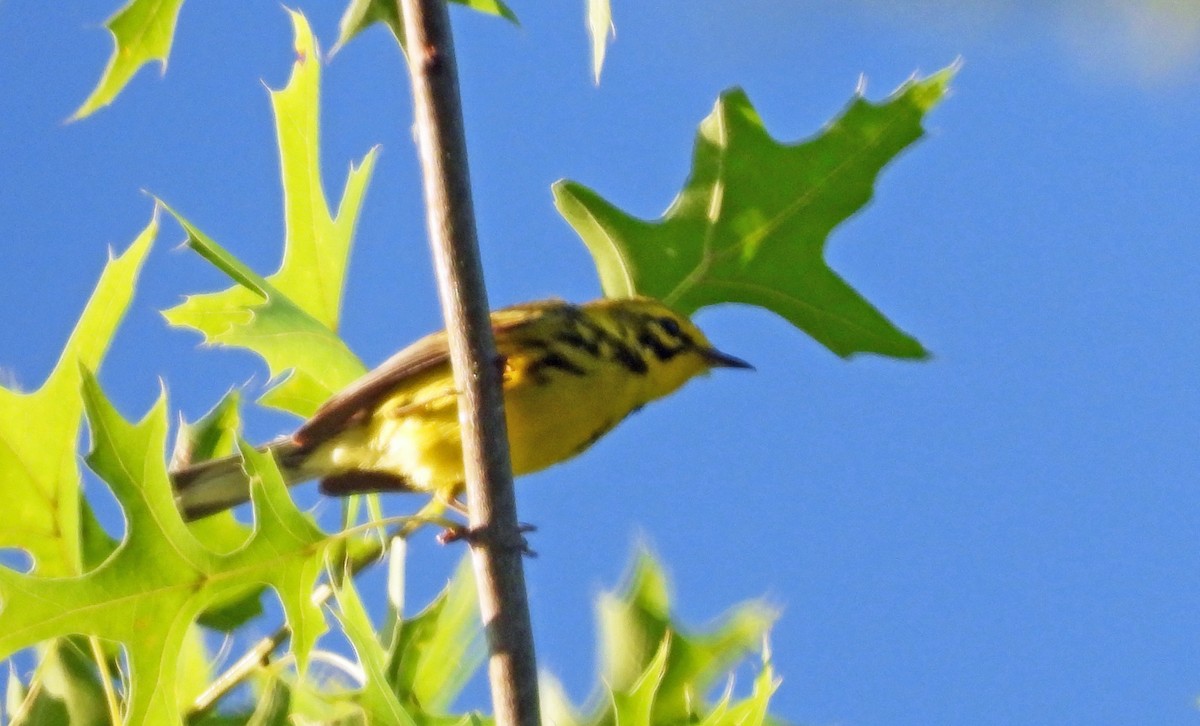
[[489, 535]]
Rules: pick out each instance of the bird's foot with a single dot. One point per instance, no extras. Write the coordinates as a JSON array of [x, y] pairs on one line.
[[490, 536]]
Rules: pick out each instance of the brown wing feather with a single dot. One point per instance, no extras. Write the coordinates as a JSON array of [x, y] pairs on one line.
[[362, 396]]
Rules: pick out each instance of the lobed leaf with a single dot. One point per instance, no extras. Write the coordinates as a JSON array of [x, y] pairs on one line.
[[212, 436], [651, 671], [432, 655], [752, 220], [151, 613], [39, 474], [291, 317], [377, 699], [362, 14], [142, 32]]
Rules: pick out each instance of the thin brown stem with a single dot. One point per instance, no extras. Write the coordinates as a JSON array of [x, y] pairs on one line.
[[496, 544]]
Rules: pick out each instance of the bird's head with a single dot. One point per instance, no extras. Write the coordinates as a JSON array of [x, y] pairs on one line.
[[672, 347]]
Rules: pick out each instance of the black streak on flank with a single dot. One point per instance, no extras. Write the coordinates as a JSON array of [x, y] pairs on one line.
[[596, 436], [627, 357], [575, 339], [558, 361], [621, 351]]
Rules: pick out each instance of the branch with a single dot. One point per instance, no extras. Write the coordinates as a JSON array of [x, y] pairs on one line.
[[496, 544]]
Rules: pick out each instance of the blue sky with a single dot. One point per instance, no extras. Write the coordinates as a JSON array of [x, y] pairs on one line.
[[1005, 534]]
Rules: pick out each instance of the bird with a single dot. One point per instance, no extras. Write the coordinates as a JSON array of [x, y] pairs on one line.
[[570, 374]]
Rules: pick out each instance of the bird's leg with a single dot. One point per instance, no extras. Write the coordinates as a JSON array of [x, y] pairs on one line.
[[479, 535], [457, 505], [431, 513], [488, 535]]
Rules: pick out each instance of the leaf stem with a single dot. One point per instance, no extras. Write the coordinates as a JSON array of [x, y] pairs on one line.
[[110, 695], [497, 545]]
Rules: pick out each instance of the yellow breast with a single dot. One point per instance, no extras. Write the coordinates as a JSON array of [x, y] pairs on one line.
[[571, 374], [553, 414]]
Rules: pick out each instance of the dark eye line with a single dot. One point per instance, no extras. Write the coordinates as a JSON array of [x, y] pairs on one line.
[[657, 346], [671, 327]]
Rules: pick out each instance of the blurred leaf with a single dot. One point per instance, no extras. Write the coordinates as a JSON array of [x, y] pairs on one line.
[[282, 698], [362, 14], [600, 29], [556, 706], [636, 704], [160, 578], [40, 474], [427, 659], [751, 223], [752, 711], [142, 32], [68, 689], [272, 706], [432, 655], [195, 668], [212, 436], [291, 317], [14, 692], [651, 670], [376, 697]]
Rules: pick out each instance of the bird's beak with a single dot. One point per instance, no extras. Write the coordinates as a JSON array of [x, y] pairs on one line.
[[717, 359]]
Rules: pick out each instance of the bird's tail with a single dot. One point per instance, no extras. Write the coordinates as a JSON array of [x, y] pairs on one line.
[[218, 484]]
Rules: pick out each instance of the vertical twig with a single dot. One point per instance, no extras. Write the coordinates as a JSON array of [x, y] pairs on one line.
[[496, 544]]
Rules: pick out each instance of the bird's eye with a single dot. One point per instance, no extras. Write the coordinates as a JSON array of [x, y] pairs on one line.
[[670, 327]]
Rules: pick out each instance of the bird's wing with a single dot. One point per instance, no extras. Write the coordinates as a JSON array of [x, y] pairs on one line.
[[361, 397]]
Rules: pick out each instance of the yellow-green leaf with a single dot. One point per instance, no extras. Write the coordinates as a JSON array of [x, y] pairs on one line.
[[291, 317], [148, 593], [39, 473], [600, 29], [142, 32], [362, 14]]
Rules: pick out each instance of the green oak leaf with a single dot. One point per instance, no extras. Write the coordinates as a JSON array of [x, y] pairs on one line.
[[378, 701], [260, 317], [211, 436], [148, 593], [636, 704], [291, 317], [652, 672], [279, 698], [556, 705], [600, 29], [65, 688], [637, 626], [362, 14], [142, 32], [432, 655], [752, 710], [751, 223], [423, 661], [39, 474]]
